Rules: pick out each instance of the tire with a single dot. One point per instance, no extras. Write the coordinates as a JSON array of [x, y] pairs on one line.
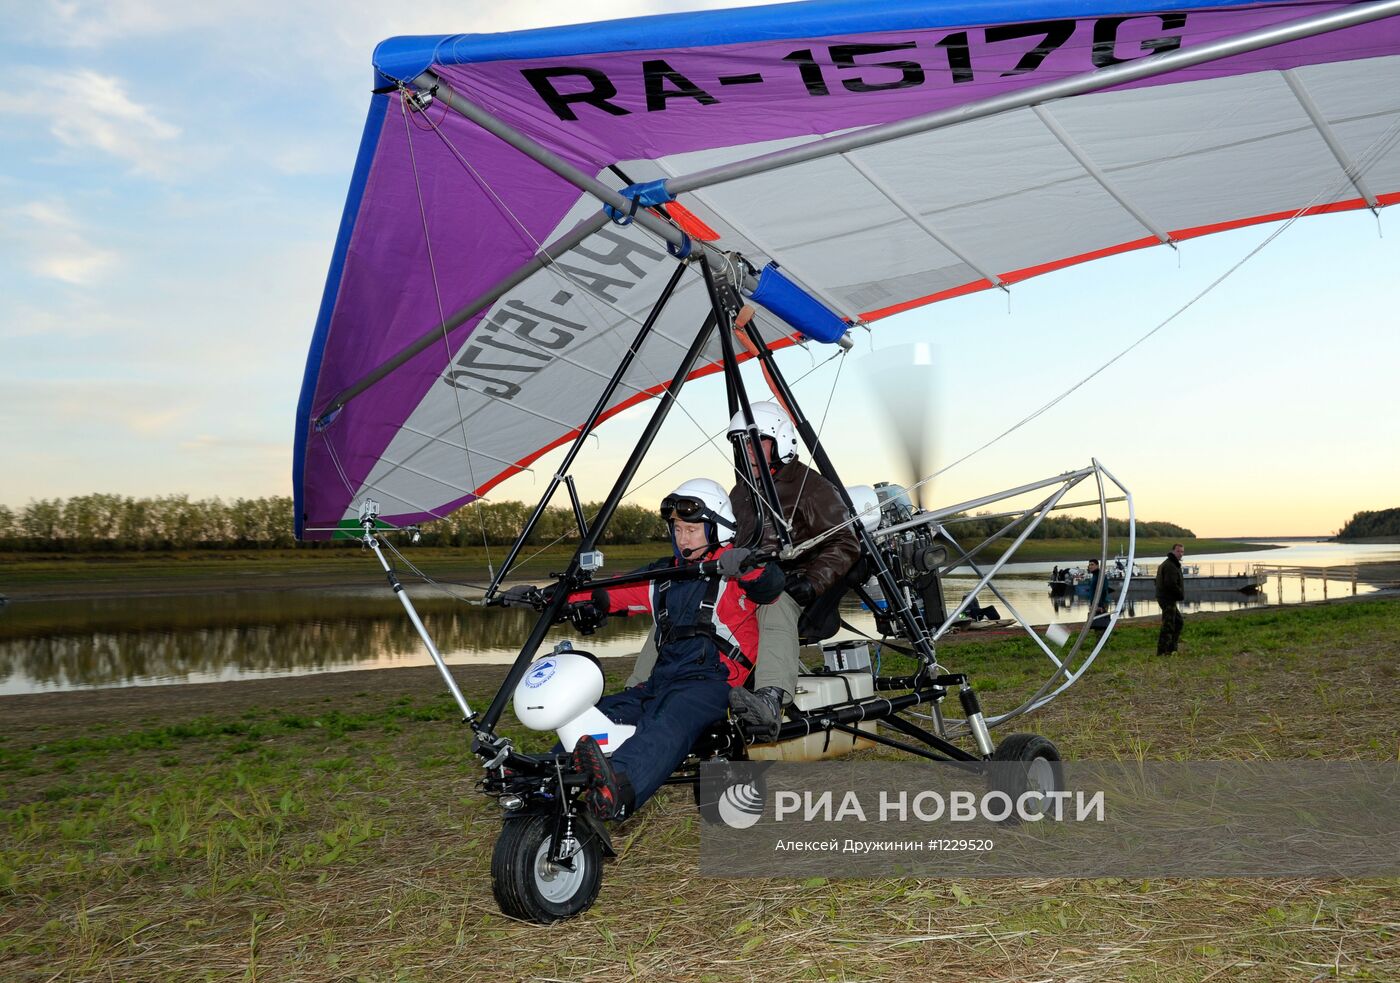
[[744, 793], [528, 886], [1025, 763]]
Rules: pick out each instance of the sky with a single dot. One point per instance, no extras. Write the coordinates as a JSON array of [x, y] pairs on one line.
[[172, 178]]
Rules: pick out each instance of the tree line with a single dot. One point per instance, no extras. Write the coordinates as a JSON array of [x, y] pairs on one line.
[[99, 523], [971, 530], [118, 522], [1368, 525]]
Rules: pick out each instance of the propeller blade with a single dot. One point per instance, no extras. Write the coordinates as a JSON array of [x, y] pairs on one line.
[[903, 383]]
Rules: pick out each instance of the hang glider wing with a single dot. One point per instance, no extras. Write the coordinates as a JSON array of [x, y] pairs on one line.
[[427, 384]]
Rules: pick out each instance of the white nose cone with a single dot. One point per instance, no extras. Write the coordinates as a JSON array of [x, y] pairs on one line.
[[556, 689]]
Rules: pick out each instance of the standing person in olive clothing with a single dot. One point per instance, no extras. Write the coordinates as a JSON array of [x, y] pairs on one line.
[[1171, 591]]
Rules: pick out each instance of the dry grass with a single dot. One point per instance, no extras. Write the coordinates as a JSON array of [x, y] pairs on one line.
[[330, 834]]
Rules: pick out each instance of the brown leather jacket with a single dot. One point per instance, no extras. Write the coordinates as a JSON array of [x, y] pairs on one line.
[[819, 509]]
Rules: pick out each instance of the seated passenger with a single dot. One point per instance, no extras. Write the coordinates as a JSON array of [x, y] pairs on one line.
[[812, 506], [706, 640]]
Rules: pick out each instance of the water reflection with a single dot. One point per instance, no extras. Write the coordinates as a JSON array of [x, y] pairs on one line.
[[1072, 608], [152, 651], [140, 640]]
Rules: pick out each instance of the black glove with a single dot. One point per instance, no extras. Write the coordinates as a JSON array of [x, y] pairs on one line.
[[731, 561], [800, 589], [590, 615], [522, 596]]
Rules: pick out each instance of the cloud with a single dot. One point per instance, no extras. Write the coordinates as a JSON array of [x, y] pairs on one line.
[[88, 110], [85, 408], [74, 434], [94, 23], [50, 242], [73, 267]]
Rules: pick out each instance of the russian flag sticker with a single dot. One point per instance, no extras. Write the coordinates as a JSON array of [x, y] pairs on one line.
[[602, 739]]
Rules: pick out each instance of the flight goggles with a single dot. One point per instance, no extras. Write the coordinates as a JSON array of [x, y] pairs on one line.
[[690, 509]]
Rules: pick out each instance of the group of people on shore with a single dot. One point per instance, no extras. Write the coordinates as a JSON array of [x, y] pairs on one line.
[[1169, 585]]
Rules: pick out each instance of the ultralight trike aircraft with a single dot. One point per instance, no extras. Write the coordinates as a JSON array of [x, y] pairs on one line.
[[546, 228]]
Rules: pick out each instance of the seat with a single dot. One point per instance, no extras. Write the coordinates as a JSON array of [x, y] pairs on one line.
[[821, 619]]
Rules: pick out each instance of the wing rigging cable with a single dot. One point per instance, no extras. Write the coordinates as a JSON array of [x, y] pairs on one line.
[[710, 438], [927, 151], [447, 344], [1386, 142]]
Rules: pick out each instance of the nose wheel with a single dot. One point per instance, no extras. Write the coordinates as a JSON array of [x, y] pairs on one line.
[[533, 882]]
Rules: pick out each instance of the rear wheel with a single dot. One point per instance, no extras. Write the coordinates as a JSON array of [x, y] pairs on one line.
[[529, 885], [1029, 766]]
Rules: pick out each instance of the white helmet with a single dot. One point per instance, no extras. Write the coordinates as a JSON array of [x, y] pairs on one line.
[[701, 500], [772, 421]]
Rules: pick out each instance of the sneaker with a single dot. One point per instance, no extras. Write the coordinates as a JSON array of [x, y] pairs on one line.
[[603, 797], [760, 711]]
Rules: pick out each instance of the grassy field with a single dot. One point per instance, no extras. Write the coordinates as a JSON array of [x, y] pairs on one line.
[[38, 575], [326, 828]]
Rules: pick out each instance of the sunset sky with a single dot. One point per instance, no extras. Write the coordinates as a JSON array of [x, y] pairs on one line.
[[173, 178]]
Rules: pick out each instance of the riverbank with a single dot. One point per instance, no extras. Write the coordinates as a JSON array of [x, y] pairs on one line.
[[43, 576], [137, 705], [325, 828]]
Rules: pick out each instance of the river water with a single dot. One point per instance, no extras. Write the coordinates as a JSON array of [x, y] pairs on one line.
[[136, 641]]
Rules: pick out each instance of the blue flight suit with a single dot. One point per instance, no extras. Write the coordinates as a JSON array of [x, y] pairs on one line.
[[686, 692]]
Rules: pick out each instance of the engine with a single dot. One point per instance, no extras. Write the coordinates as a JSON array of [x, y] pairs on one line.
[[913, 555]]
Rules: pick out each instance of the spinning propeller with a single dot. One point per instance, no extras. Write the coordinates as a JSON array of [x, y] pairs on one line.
[[903, 382]]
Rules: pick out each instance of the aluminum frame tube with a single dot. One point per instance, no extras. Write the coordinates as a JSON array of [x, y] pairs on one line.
[[1040, 511], [1102, 586], [1010, 606], [592, 421], [878, 708], [418, 626], [938, 515], [440, 89], [965, 555], [588, 543], [1093, 81], [1044, 695], [890, 742], [917, 631], [1005, 515], [735, 383]]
